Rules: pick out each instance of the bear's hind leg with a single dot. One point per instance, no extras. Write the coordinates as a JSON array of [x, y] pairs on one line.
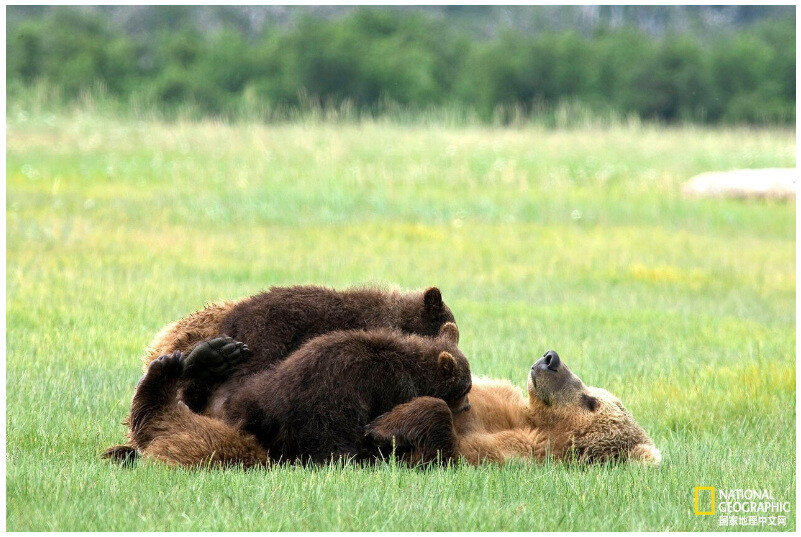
[[194, 440], [164, 428], [157, 391]]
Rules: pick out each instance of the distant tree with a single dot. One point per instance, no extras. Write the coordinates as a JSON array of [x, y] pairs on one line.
[[602, 57], [73, 50], [674, 82]]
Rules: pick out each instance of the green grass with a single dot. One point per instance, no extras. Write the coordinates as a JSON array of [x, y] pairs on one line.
[[576, 240]]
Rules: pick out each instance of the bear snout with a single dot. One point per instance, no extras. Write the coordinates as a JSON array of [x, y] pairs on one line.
[[550, 361]]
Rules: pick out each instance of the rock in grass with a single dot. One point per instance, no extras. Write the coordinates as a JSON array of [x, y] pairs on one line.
[[771, 183]]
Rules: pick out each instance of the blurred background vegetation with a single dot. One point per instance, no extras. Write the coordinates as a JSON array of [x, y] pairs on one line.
[[711, 64]]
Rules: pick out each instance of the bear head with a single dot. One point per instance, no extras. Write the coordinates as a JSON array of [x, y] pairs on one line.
[[424, 313], [454, 379], [588, 424]]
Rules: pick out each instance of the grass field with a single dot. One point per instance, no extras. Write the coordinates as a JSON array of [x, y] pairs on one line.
[[576, 240]]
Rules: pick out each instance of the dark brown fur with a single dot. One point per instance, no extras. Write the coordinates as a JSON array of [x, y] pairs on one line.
[[557, 419], [288, 317], [312, 406], [277, 322], [417, 431], [317, 403]]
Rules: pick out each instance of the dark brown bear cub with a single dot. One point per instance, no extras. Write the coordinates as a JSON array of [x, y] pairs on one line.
[[277, 322], [316, 404]]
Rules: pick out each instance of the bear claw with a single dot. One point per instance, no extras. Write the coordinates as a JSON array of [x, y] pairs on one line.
[[215, 358]]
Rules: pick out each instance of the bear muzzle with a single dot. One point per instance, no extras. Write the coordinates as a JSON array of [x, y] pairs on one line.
[[550, 361]]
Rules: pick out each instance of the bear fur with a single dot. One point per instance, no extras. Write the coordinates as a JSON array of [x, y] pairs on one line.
[[291, 314], [315, 404], [561, 418], [276, 322], [167, 430]]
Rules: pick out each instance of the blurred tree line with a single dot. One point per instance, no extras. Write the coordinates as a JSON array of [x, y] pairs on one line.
[[370, 57]]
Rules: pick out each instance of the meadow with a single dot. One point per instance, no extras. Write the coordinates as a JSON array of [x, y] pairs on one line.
[[575, 239]]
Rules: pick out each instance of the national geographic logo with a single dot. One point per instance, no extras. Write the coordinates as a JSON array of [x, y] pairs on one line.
[[704, 500], [741, 507]]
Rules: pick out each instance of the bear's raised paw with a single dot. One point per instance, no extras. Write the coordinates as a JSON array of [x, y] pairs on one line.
[[215, 358]]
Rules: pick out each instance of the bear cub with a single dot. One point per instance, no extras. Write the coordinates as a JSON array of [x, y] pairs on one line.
[[277, 322], [317, 403]]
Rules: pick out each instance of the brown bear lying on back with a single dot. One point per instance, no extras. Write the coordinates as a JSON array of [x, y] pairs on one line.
[[501, 425], [562, 418], [314, 405]]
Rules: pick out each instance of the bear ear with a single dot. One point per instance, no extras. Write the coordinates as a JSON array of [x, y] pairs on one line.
[[646, 454], [589, 402], [449, 332], [432, 299], [447, 363]]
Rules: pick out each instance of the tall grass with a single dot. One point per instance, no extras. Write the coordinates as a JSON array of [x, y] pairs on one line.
[[573, 239], [43, 99]]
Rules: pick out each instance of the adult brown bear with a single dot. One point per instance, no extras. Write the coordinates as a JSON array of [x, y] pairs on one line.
[[562, 418]]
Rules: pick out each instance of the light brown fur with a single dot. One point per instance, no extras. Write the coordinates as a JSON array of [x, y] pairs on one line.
[[184, 334], [498, 426], [202, 441], [503, 425]]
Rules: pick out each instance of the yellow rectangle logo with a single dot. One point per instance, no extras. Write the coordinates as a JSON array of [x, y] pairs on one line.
[[696, 494]]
